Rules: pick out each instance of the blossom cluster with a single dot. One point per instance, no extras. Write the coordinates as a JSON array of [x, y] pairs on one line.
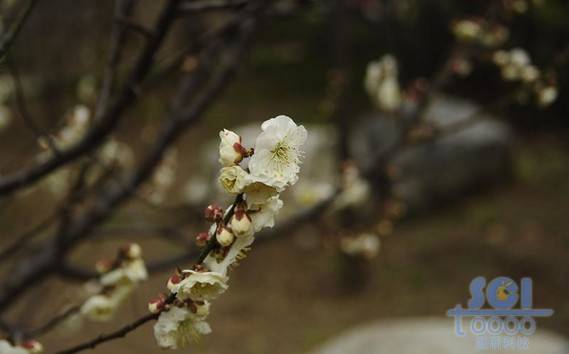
[[118, 278], [516, 66], [476, 30], [256, 176], [382, 83], [27, 347]]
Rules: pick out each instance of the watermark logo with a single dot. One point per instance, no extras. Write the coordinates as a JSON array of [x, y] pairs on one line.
[[501, 313]]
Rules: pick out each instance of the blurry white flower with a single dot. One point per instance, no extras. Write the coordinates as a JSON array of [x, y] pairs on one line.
[[196, 191], [231, 152], [200, 286], [278, 152], [501, 57], [308, 193], [366, 245], [546, 96], [382, 83], [519, 57], [234, 179], [355, 189], [177, 327], [7, 348], [130, 271], [467, 29], [116, 151], [529, 73], [99, 308]]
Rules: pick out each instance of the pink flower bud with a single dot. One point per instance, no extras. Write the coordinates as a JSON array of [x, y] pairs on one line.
[[213, 213], [173, 281], [156, 305], [202, 238]]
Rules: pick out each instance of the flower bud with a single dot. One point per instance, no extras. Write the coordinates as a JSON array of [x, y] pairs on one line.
[[202, 238], [33, 346], [173, 281], [231, 152], [133, 251], [213, 213], [241, 223], [224, 236], [157, 305]]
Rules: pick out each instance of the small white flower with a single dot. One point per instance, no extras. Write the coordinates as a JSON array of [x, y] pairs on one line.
[[382, 84], [230, 149], [7, 348], [99, 308], [278, 152], [264, 215], [222, 266], [200, 286], [234, 179], [177, 327]]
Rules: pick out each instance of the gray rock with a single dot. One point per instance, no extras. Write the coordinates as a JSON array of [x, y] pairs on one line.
[[478, 155], [428, 336], [466, 159]]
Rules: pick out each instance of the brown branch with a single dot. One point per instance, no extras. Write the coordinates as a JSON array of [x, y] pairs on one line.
[[105, 121], [10, 36], [122, 332]]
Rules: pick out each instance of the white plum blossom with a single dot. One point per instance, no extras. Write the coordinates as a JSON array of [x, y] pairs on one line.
[[99, 308], [274, 165], [258, 193], [200, 286], [234, 179], [382, 83], [276, 161], [264, 215], [231, 151], [177, 327]]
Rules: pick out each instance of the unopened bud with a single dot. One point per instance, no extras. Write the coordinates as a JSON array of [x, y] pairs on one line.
[[224, 236], [157, 305], [201, 239], [133, 251], [173, 281], [213, 213], [241, 223], [230, 148], [33, 346]]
